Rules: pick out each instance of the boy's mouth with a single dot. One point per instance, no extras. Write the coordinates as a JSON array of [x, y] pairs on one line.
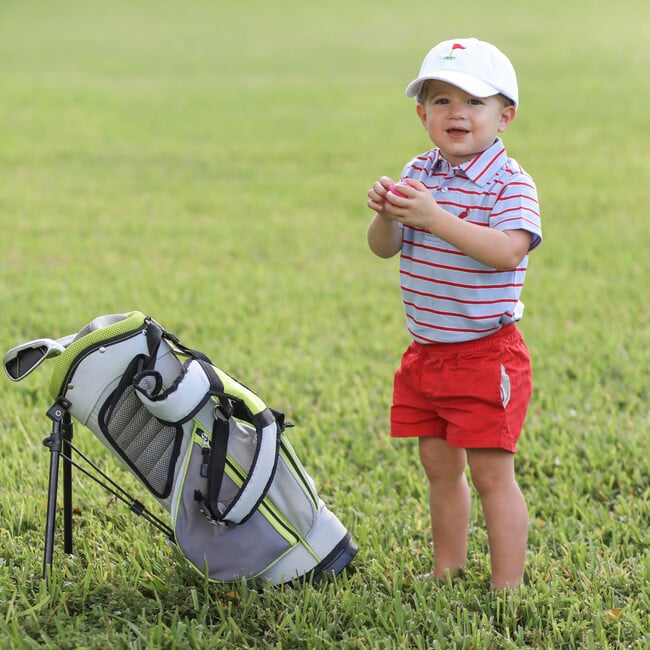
[[457, 133]]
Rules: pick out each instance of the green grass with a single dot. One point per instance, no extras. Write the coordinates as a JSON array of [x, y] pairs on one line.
[[207, 163]]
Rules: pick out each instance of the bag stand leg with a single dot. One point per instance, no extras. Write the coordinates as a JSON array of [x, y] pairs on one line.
[[67, 483], [58, 443]]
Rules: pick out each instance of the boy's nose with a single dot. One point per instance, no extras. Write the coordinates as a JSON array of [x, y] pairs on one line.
[[457, 108]]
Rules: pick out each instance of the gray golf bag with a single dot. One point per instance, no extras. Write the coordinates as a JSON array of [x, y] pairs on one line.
[[205, 446]]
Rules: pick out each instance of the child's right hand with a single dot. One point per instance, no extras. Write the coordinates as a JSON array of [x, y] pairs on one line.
[[377, 195]]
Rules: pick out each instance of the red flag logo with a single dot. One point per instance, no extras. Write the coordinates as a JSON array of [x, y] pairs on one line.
[[454, 47]]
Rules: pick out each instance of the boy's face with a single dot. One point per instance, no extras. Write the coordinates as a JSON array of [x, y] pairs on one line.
[[461, 125]]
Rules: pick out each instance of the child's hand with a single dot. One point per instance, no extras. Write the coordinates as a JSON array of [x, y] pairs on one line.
[[377, 195], [411, 203]]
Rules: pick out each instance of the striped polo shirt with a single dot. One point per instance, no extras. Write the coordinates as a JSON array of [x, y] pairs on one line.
[[448, 296]]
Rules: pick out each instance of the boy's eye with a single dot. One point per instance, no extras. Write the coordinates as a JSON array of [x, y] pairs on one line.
[[472, 101]]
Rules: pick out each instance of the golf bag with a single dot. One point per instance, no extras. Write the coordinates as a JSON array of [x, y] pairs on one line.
[[205, 446]]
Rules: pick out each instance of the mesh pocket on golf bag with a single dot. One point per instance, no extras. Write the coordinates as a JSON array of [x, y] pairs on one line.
[[147, 445]]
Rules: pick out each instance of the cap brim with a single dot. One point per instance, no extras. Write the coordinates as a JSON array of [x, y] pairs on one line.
[[469, 84]]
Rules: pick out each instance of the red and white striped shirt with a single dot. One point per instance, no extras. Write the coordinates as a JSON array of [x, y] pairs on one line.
[[448, 296]]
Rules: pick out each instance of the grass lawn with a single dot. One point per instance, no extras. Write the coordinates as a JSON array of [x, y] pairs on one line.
[[207, 163]]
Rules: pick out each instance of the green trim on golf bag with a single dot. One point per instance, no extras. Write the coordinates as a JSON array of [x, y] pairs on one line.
[[208, 448]]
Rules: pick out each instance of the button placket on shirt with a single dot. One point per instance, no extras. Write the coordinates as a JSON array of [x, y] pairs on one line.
[[452, 174]]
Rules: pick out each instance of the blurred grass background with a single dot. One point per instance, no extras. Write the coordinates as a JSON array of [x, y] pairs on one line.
[[207, 163]]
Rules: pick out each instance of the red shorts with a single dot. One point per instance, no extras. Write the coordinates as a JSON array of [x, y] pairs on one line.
[[472, 394]]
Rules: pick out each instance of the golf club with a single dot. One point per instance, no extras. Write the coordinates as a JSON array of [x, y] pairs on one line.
[[22, 359]]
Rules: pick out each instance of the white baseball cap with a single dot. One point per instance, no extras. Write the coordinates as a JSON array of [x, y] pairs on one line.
[[476, 67]]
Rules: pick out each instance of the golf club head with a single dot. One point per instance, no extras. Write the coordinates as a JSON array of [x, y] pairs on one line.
[[24, 358]]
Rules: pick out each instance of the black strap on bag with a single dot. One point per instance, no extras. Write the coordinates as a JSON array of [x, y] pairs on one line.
[[217, 465]]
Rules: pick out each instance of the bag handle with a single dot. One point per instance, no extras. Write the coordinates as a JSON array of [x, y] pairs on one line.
[[198, 382]]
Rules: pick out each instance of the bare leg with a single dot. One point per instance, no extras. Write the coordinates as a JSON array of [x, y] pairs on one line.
[[506, 513], [449, 502]]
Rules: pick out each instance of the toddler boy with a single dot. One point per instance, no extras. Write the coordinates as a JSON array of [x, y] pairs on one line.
[[464, 218]]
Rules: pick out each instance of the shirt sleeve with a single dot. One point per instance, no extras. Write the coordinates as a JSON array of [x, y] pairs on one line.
[[517, 208]]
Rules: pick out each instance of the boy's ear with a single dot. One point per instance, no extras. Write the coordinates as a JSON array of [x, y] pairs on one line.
[[422, 113], [508, 114]]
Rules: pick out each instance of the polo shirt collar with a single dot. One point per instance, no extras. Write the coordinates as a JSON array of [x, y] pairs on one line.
[[482, 168]]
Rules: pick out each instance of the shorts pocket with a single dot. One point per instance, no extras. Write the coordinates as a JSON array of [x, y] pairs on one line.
[[505, 387]]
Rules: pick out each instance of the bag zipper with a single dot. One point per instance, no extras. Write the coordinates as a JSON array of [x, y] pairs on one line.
[[118, 338], [268, 510], [298, 471]]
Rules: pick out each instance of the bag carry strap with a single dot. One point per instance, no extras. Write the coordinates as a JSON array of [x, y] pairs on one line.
[[198, 382]]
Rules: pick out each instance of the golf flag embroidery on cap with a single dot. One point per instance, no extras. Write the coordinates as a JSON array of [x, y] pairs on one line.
[[454, 47]]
